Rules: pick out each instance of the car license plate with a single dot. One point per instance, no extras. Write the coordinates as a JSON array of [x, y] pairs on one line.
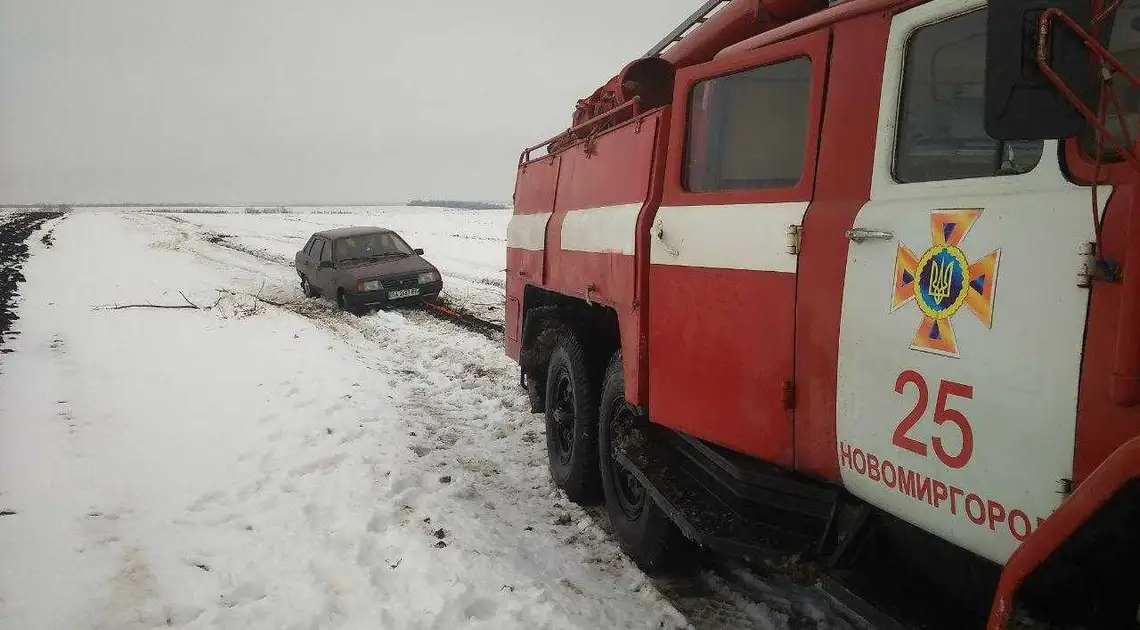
[[402, 293]]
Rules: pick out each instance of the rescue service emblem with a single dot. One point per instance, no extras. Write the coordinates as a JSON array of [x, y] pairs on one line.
[[942, 281]]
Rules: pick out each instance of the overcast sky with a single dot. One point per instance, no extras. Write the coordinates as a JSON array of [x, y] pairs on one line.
[[297, 100]]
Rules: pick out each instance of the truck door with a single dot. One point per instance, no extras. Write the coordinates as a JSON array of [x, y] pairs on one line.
[[962, 320], [722, 280]]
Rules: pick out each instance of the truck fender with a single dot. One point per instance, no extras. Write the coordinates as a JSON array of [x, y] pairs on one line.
[[1098, 489]]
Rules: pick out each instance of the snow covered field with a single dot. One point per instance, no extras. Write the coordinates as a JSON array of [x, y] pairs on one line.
[[258, 460]]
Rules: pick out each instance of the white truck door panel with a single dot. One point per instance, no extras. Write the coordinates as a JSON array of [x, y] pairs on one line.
[[962, 323]]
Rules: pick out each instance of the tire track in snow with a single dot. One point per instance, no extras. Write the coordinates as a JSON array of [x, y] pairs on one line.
[[464, 411]]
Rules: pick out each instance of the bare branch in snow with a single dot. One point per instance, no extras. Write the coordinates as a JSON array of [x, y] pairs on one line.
[[188, 300], [189, 305], [272, 303], [119, 307], [257, 296]]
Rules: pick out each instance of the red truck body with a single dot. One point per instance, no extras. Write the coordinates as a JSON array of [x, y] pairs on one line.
[[803, 280]]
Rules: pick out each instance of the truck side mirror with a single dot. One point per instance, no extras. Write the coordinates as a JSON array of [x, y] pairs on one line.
[[1021, 102], [419, 251]]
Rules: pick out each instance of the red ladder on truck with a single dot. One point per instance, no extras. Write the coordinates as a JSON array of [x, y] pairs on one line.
[[696, 19]]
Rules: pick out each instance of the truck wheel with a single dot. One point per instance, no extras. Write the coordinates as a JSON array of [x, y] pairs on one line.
[[572, 422], [643, 529]]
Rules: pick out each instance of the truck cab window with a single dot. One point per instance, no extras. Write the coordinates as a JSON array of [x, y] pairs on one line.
[[748, 130], [1123, 29], [941, 135]]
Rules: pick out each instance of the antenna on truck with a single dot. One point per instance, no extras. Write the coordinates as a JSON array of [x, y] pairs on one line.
[[696, 19]]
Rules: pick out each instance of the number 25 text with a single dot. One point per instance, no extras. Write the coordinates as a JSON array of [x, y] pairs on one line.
[[943, 415]]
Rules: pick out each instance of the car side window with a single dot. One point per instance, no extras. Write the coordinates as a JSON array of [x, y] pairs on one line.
[[310, 246], [748, 130], [941, 135], [326, 251]]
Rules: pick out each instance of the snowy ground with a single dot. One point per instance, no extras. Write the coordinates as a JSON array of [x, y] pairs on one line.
[[246, 465]]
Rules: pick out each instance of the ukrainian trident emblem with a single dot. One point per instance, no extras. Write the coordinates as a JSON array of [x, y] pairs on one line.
[[942, 280]]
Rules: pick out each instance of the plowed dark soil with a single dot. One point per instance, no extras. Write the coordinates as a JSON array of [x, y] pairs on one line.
[[15, 229]]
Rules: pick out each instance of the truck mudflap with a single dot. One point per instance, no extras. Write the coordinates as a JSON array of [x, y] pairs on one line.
[[1113, 474]]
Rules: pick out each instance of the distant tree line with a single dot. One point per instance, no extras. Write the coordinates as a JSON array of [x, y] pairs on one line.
[[466, 205], [42, 207]]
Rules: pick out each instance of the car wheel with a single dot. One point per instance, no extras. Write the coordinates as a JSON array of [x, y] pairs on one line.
[[343, 304], [643, 529], [308, 289], [572, 423]]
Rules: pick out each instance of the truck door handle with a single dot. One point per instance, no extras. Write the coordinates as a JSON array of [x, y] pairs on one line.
[[865, 234], [659, 234]]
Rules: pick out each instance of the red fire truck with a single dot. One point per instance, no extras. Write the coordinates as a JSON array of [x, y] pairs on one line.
[[850, 282]]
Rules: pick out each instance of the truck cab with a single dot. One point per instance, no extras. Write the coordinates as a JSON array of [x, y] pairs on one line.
[[849, 280]]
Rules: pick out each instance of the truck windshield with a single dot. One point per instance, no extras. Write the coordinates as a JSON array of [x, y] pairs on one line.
[[1123, 29], [366, 246]]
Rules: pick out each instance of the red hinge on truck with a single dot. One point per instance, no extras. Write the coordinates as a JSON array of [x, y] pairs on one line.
[[789, 395]]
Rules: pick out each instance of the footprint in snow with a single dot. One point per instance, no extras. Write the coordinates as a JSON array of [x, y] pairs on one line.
[[268, 464], [245, 593], [449, 437], [481, 609], [198, 561], [324, 463], [245, 492], [352, 436], [304, 404], [379, 522], [205, 501]]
